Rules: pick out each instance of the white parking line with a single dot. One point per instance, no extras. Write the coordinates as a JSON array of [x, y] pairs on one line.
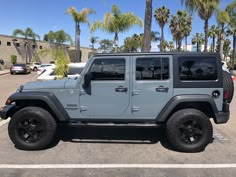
[[108, 166], [3, 122]]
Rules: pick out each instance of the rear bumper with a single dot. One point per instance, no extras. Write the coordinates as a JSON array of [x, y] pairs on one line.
[[5, 111], [223, 117]]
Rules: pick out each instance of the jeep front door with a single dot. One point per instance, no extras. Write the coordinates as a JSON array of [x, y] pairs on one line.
[[152, 85], [107, 95]]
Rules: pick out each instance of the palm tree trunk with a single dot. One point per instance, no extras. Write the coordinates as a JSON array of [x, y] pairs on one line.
[[213, 41], [222, 43], [75, 42], [234, 45], [186, 43], [206, 35], [179, 45], [26, 52], [116, 41], [78, 59], [147, 26], [162, 39]]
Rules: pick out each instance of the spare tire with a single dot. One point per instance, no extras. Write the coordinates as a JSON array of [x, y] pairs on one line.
[[228, 85]]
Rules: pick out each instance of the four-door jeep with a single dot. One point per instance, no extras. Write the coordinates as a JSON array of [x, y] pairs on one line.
[[181, 91]]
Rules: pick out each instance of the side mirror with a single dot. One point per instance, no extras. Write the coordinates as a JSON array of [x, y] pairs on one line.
[[87, 80]]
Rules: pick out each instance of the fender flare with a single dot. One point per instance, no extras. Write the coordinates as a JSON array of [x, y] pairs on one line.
[[49, 98], [176, 100]]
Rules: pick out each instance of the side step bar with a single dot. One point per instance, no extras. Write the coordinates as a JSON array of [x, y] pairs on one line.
[[81, 124]]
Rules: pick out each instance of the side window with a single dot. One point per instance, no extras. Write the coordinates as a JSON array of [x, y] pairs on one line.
[[108, 69], [197, 69], [152, 68]]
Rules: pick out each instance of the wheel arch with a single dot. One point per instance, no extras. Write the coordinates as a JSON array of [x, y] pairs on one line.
[[44, 100], [204, 103]]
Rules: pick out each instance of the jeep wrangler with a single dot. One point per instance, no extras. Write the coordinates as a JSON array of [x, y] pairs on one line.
[[181, 91]]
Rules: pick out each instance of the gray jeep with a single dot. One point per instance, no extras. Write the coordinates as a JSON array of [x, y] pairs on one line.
[[181, 91]]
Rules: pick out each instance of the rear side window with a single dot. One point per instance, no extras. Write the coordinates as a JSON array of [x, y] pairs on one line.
[[152, 68], [108, 69], [197, 69]]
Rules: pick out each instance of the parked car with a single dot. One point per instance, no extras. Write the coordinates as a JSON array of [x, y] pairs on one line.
[[34, 66], [74, 71], [44, 66], [20, 68]]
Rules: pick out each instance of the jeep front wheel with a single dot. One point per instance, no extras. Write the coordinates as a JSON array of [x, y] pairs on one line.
[[189, 130], [32, 128]]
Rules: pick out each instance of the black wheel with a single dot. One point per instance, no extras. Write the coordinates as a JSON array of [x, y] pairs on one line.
[[32, 128], [35, 69], [228, 85], [12, 73], [189, 130]]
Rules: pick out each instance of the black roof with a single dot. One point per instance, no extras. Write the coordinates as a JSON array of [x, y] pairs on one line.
[[160, 53]]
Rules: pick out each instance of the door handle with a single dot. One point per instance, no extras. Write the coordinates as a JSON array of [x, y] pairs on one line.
[[162, 89], [121, 89]]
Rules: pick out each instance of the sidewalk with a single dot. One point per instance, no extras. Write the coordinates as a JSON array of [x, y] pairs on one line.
[[4, 71]]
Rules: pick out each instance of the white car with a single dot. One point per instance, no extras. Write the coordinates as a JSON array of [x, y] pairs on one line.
[[74, 71], [34, 66], [45, 66]]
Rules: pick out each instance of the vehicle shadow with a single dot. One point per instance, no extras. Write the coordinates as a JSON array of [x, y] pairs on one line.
[[113, 134]]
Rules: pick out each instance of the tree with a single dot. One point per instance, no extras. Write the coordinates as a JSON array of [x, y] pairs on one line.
[[171, 45], [226, 48], [79, 17], [198, 39], [223, 19], [116, 22], [93, 40], [213, 33], [162, 15], [105, 46], [147, 26], [231, 9], [28, 33], [178, 25], [205, 10]]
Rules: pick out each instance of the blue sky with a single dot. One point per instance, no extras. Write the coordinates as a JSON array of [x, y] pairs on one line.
[[45, 15]]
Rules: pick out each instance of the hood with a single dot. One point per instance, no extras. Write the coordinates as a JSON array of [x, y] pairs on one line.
[[52, 84]]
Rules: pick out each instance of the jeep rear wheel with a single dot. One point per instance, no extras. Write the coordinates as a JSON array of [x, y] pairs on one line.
[[32, 128], [189, 130]]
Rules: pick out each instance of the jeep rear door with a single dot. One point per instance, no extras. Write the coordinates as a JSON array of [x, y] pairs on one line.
[[109, 93], [152, 85]]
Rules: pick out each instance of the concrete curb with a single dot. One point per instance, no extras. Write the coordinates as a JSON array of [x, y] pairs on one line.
[[4, 73]]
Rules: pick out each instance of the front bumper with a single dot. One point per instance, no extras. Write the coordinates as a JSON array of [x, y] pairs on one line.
[[223, 117], [4, 112]]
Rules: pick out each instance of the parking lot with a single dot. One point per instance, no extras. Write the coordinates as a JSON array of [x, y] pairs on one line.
[[115, 151]]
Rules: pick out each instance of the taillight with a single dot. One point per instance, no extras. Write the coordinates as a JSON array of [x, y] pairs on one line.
[[226, 94], [11, 67]]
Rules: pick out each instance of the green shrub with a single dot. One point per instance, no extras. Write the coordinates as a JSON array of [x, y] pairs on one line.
[[13, 59]]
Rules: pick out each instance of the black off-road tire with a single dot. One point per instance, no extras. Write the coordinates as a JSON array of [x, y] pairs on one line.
[[189, 130], [32, 128], [228, 85]]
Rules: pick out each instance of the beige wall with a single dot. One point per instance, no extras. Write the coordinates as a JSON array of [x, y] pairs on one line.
[[17, 47]]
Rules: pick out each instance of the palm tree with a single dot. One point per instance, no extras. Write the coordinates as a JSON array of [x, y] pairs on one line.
[[162, 15], [27, 34], [223, 19], [177, 26], [79, 17], [116, 22], [171, 45], [213, 33], [205, 10], [231, 9], [198, 39], [147, 27], [93, 40]]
